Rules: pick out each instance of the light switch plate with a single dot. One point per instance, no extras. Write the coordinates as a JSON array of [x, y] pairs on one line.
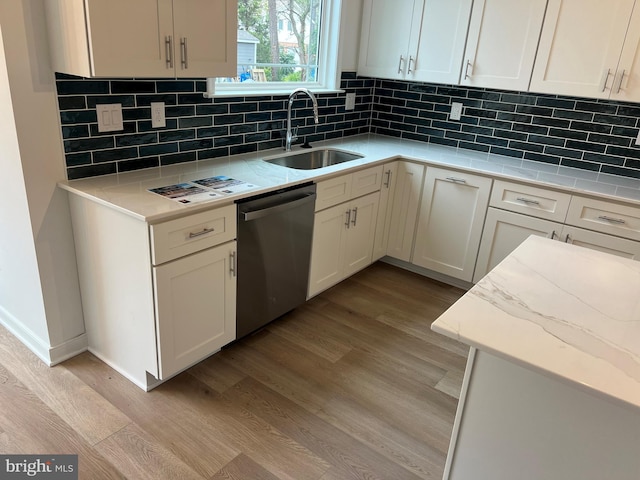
[[157, 115], [638, 139], [109, 117], [456, 111], [350, 102]]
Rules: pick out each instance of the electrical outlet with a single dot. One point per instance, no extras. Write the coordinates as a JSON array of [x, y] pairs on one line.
[[109, 117], [350, 101], [157, 115], [456, 111], [638, 139]]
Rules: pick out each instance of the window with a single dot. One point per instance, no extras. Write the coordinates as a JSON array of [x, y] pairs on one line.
[[284, 44]]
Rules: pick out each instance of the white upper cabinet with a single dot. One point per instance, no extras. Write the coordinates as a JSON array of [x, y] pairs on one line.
[[414, 39], [502, 42], [583, 51], [143, 38]]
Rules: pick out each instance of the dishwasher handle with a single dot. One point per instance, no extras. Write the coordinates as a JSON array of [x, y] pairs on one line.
[[282, 207]]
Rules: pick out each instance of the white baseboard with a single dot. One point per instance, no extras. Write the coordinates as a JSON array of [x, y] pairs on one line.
[[440, 277], [48, 354]]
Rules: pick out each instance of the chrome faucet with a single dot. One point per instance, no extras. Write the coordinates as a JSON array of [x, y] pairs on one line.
[[292, 135]]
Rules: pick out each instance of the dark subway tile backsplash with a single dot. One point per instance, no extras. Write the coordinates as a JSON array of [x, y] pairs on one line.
[[197, 128], [594, 135]]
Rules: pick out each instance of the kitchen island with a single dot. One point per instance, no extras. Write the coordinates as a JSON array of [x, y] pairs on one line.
[[552, 384]]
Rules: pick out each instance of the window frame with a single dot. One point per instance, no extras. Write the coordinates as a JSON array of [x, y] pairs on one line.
[[328, 65]]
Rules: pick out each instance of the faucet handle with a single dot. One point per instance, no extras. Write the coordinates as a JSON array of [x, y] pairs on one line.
[[294, 133]]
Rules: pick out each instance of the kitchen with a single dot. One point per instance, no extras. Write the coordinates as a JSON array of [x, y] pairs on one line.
[[44, 205]]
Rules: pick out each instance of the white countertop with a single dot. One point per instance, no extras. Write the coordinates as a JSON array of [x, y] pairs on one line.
[[560, 309], [128, 193]]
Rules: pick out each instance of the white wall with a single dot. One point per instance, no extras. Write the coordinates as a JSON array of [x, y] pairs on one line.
[[350, 34], [39, 292]]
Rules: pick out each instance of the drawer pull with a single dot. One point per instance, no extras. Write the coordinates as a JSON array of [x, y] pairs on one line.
[[203, 232], [355, 216], [348, 214], [456, 180], [528, 201], [618, 221], [388, 182], [233, 264]]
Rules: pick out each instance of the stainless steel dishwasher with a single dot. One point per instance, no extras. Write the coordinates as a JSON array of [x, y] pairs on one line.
[[274, 253]]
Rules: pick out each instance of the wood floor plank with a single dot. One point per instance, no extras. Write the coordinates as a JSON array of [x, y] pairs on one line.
[[161, 414], [240, 428], [31, 427], [243, 468], [139, 456], [355, 459], [80, 406]]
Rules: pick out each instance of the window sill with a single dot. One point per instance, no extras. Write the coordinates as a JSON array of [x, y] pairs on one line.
[[258, 90]]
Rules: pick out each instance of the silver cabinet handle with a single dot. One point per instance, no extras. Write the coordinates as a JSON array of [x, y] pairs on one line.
[[466, 70], [232, 264], [202, 232], [400, 64], [456, 180], [528, 201], [618, 221], [388, 182], [348, 214], [568, 239], [605, 79], [552, 235], [168, 50], [355, 216], [183, 53], [410, 60], [617, 82]]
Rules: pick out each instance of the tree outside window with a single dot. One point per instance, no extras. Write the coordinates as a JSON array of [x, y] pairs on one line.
[[278, 40]]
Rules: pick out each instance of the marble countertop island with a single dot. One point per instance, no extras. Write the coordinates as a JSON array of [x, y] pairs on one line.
[[563, 310]]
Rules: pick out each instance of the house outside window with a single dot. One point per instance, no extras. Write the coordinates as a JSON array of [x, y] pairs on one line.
[[283, 44]]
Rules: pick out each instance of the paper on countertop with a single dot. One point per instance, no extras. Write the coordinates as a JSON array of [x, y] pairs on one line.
[[202, 190]]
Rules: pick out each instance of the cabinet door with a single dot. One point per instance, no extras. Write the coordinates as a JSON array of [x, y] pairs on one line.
[[503, 232], [127, 39], [384, 41], [404, 211], [327, 250], [601, 242], [383, 222], [502, 42], [626, 85], [205, 37], [580, 47], [361, 233], [452, 213], [195, 307], [437, 57]]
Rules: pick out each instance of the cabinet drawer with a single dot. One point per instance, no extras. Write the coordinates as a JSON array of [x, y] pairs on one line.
[[333, 191], [190, 234], [605, 217], [538, 202], [366, 181], [347, 187]]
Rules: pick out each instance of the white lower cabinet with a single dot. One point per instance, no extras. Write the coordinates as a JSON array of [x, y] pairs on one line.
[[452, 213], [404, 210], [195, 300], [343, 238], [156, 298], [503, 232]]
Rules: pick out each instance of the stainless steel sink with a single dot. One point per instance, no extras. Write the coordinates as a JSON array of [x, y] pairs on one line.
[[313, 159]]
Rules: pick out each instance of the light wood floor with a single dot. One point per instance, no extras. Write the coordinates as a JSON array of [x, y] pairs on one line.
[[353, 385]]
